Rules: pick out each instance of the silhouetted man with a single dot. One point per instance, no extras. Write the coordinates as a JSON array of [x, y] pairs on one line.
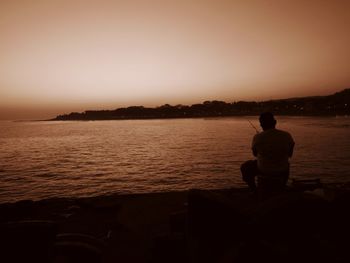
[[272, 148]]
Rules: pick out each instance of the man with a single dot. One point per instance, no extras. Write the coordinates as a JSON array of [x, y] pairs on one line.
[[272, 148]]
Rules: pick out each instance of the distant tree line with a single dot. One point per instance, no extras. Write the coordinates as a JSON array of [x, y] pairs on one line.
[[336, 104]]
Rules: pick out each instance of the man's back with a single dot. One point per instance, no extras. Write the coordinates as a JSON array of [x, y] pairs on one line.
[[273, 148]]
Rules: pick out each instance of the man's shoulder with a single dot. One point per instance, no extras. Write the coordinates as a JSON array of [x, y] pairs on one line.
[[273, 133], [285, 134], [282, 131], [258, 136]]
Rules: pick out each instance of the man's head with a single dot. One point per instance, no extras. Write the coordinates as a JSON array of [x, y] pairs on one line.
[[267, 121]]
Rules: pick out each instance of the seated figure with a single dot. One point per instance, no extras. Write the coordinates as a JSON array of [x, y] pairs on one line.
[[272, 149]]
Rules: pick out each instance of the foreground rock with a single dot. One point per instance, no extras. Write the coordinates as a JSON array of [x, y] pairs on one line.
[[190, 226]]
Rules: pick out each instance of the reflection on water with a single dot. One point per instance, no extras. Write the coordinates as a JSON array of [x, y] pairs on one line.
[[50, 159]]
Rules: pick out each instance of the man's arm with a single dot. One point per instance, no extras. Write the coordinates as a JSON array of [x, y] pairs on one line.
[[255, 152], [291, 150]]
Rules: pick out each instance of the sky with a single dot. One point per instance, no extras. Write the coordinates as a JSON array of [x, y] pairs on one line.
[[58, 56]]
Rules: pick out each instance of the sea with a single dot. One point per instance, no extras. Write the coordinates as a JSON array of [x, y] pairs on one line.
[[49, 159]]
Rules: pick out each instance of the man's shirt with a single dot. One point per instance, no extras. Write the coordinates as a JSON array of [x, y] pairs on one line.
[[273, 148]]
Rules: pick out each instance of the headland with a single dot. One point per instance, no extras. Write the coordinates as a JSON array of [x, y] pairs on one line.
[[331, 105]]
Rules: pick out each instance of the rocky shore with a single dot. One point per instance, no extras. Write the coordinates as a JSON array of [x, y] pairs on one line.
[[188, 226]]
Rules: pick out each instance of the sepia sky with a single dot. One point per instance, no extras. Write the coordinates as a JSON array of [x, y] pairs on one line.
[[58, 56]]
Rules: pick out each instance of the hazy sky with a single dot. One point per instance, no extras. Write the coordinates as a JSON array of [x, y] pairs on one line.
[[60, 56]]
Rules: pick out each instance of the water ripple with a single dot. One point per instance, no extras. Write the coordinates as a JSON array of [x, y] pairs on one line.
[[56, 159]]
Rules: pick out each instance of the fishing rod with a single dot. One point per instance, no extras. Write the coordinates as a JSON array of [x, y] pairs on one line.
[[251, 124]]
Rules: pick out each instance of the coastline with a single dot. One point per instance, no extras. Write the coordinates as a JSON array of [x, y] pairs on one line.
[[331, 105], [198, 117]]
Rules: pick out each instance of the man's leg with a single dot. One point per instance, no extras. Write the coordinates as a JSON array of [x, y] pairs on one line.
[[272, 185], [249, 170]]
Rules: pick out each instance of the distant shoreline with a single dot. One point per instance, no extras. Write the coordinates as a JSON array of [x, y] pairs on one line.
[[337, 104], [176, 118], [197, 117]]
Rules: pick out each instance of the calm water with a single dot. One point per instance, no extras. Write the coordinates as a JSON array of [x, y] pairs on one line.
[[51, 159]]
